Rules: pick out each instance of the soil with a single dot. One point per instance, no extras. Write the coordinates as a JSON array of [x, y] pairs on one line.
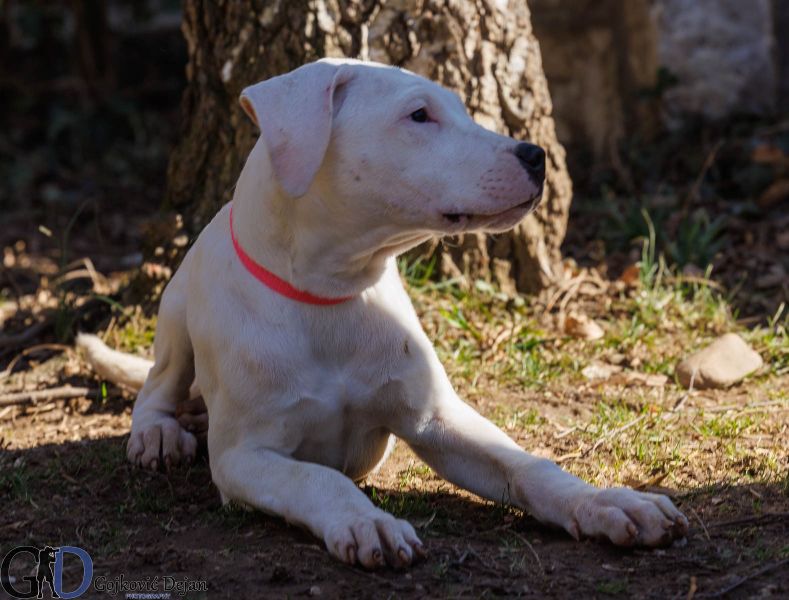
[[65, 481]]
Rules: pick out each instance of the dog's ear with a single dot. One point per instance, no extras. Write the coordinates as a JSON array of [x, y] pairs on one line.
[[294, 114]]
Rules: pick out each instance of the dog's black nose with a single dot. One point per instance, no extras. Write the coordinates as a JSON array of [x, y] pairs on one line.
[[532, 158]]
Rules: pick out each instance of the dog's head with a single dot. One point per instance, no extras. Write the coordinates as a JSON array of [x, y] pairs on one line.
[[393, 148]]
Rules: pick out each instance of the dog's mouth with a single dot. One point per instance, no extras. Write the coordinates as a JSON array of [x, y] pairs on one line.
[[464, 218]]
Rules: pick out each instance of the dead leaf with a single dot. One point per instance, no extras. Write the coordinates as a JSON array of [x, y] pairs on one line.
[[581, 326], [768, 153], [631, 276], [778, 191]]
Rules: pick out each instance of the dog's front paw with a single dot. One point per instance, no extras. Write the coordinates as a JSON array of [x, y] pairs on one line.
[[373, 540], [628, 518], [161, 444]]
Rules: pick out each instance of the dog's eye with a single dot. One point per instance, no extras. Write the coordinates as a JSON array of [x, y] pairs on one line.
[[420, 116]]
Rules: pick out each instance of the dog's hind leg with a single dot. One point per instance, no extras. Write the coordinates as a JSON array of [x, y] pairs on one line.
[[157, 439]]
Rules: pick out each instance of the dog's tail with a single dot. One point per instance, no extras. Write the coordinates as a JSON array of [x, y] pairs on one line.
[[119, 368]]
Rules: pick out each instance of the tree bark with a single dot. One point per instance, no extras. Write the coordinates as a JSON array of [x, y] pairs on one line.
[[485, 50]]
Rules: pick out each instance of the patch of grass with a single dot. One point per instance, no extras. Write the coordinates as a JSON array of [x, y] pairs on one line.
[[234, 516], [483, 336], [610, 416], [772, 343], [105, 538], [665, 308], [623, 221], [142, 497], [698, 239], [418, 272], [695, 239], [612, 587], [137, 334], [508, 417], [104, 458], [404, 505], [724, 426], [15, 484], [487, 341], [413, 475]]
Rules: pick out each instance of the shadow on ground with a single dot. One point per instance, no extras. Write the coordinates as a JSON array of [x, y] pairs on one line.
[[138, 524]]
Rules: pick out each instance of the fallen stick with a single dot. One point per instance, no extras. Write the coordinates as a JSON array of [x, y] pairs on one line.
[[613, 434], [7, 372], [530, 547], [19, 339], [754, 519], [58, 393], [741, 579]]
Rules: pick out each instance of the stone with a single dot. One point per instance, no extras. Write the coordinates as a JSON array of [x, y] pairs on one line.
[[580, 326], [598, 371], [721, 53], [635, 378], [721, 364], [695, 58]]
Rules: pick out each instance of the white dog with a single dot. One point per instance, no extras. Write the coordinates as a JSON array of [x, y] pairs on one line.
[[289, 316]]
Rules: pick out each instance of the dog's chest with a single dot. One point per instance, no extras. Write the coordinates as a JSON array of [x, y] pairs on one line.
[[322, 385], [351, 382], [336, 412]]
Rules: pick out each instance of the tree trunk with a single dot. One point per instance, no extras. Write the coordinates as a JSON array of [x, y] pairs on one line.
[[484, 50]]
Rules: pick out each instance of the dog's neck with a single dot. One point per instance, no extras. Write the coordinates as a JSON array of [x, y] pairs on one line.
[[320, 255]]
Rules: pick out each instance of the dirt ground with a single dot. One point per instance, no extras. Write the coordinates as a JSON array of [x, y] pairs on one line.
[[65, 482], [722, 455]]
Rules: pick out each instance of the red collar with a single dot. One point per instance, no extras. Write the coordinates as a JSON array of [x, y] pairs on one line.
[[277, 284]]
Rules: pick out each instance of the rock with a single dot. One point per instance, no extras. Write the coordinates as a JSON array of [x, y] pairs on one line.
[[721, 53], [633, 378], [581, 326], [616, 375], [723, 363], [597, 371]]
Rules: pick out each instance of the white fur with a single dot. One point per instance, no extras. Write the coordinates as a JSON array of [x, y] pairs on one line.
[[305, 399]]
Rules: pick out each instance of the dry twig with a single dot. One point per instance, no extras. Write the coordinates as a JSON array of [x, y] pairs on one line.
[[5, 373], [59, 393], [19, 339], [530, 547], [614, 433], [703, 526], [754, 519], [741, 579]]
